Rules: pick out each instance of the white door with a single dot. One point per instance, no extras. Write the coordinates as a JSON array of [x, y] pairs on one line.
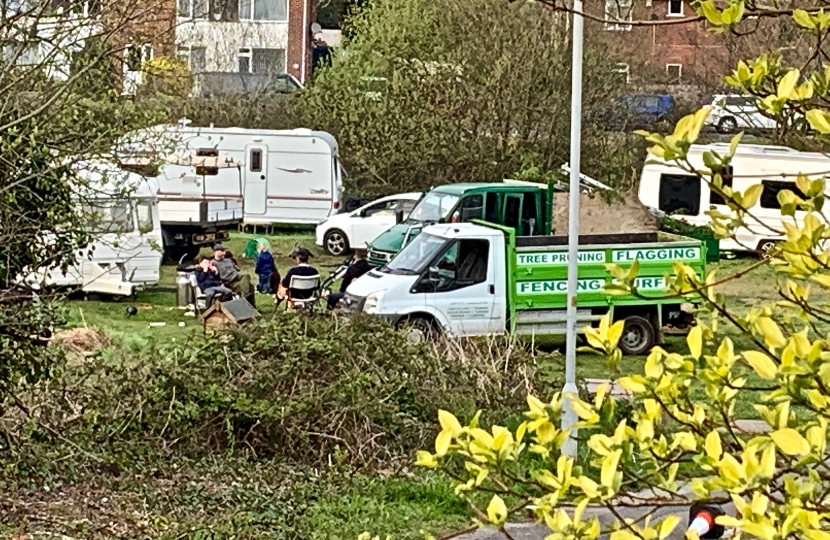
[[459, 285], [371, 220], [256, 179]]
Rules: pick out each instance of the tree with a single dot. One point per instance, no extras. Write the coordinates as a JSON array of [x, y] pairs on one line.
[[53, 112], [433, 92], [680, 429]]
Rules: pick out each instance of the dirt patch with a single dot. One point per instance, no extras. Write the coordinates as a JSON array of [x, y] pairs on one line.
[[82, 342], [596, 216]]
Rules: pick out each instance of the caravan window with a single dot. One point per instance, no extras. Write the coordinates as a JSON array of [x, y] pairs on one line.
[[108, 216], [680, 193], [726, 180], [256, 160], [769, 196], [144, 209]]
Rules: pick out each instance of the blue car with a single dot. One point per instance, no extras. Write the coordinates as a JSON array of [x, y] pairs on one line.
[[636, 111]]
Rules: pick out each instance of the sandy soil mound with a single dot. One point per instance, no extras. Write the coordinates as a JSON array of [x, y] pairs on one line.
[[81, 342], [596, 216]]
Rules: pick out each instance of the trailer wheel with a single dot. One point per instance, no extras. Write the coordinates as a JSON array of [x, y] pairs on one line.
[[638, 335], [418, 329]]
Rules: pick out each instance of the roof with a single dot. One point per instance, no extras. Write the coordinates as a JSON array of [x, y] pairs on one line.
[[460, 230], [103, 179], [460, 189]]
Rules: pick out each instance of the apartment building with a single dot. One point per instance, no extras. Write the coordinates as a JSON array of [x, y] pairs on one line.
[[252, 39], [673, 52]]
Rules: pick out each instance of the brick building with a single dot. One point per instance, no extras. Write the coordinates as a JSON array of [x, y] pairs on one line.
[[686, 53]]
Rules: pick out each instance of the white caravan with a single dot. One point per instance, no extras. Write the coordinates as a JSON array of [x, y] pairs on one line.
[[122, 215], [672, 190], [272, 176]]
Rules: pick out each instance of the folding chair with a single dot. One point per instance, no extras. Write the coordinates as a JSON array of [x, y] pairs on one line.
[[303, 284]]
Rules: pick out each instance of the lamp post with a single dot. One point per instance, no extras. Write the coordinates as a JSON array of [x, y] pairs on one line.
[[569, 417]]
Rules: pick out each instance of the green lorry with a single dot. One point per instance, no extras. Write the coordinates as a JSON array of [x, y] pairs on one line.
[[474, 279], [522, 206]]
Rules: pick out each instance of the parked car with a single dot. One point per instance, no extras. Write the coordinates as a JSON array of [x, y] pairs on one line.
[[732, 113], [636, 111], [343, 232]]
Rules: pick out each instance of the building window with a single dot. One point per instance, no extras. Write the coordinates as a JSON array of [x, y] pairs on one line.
[[674, 73], [261, 61], [263, 10], [193, 9], [615, 11], [134, 59], [194, 58], [675, 8], [624, 72]]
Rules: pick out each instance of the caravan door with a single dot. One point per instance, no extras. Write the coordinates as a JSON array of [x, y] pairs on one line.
[[256, 179]]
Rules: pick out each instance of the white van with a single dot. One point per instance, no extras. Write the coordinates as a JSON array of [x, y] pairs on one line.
[[123, 217], [672, 190]]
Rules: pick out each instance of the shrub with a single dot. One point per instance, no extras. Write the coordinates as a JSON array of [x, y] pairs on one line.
[[316, 390]]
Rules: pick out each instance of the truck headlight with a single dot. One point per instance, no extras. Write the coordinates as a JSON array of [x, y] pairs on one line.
[[370, 305]]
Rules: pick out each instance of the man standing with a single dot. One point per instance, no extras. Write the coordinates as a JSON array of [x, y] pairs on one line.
[[357, 268], [231, 276]]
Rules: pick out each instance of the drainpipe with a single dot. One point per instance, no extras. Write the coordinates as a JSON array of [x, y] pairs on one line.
[[305, 41]]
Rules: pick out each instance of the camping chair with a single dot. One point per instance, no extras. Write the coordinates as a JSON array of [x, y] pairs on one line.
[[306, 284], [200, 298]]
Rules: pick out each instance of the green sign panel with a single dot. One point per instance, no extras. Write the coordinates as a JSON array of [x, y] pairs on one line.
[[661, 254], [558, 258], [558, 286]]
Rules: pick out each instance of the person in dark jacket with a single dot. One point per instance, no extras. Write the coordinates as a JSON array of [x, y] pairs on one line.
[[207, 278], [301, 257], [264, 268], [357, 268]]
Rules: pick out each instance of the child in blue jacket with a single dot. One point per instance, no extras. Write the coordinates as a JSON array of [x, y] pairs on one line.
[[264, 269]]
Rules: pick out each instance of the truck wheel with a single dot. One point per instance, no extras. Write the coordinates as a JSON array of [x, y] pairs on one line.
[[638, 335], [418, 329], [336, 242], [727, 125], [766, 248]]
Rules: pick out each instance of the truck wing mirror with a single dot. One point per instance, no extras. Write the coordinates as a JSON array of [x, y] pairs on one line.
[[434, 274]]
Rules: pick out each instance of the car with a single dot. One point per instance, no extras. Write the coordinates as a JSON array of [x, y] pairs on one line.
[[636, 111], [734, 112], [341, 233]]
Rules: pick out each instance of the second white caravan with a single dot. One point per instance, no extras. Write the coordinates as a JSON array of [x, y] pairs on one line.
[[277, 176], [672, 190]]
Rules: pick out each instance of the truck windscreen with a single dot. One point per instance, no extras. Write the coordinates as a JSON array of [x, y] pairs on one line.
[[434, 207], [415, 257]]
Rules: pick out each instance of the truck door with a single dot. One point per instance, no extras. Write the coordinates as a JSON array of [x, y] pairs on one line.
[[256, 179], [458, 285]]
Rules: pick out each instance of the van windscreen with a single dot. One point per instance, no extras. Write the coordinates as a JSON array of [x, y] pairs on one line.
[[680, 194]]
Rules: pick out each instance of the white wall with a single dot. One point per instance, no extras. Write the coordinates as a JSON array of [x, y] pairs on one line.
[[222, 40]]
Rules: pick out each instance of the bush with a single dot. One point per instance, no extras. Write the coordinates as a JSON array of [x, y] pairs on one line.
[[314, 390]]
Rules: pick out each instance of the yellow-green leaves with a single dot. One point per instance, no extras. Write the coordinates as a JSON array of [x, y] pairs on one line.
[[497, 511], [771, 332], [712, 446], [695, 342], [609, 468], [721, 19], [763, 365], [787, 84], [819, 120], [791, 442], [449, 422], [425, 459], [803, 19]]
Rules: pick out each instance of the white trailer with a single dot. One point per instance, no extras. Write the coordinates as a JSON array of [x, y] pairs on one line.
[[224, 175], [672, 190], [122, 215]]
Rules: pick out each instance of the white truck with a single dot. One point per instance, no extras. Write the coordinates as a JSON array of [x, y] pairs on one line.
[[123, 216], [671, 190], [212, 178]]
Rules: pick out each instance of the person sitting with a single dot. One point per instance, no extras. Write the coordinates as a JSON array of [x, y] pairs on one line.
[[357, 268], [207, 278], [231, 276], [303, 269]]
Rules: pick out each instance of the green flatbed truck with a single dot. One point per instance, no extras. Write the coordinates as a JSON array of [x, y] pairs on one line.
[[475, 279], [523, 206]]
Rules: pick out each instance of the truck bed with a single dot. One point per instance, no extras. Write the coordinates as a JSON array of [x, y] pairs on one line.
[[538, 268]]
